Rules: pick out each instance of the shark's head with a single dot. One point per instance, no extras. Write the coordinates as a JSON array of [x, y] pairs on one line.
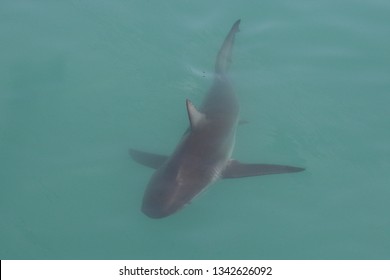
[[157, 202], [167, 192]]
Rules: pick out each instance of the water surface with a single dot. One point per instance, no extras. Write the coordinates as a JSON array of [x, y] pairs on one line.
[[82, 81]]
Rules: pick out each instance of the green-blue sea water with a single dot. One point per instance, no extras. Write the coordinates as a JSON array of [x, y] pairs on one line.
[[83, 81]]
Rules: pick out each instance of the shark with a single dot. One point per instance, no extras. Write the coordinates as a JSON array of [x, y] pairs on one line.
[[203, 154]]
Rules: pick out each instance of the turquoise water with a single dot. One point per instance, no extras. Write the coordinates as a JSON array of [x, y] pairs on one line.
[[82, 81]]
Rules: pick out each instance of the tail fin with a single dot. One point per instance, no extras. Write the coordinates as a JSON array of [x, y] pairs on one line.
[[225, 53]]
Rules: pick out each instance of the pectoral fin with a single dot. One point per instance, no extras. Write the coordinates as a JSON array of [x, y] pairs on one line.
[[236, 169], [147, 159]]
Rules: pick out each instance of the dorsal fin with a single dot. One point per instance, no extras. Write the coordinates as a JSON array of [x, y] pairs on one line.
[[195, 117]]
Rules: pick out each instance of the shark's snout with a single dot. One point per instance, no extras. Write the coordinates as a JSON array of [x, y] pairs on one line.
[[158, 209]]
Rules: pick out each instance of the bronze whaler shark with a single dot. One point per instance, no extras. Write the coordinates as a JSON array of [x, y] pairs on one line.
[[203, 154]]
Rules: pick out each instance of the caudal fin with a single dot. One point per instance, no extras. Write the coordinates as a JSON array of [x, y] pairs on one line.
[[225, 53]]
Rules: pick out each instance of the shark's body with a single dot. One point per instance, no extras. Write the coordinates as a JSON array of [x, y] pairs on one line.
[[204, 153]]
